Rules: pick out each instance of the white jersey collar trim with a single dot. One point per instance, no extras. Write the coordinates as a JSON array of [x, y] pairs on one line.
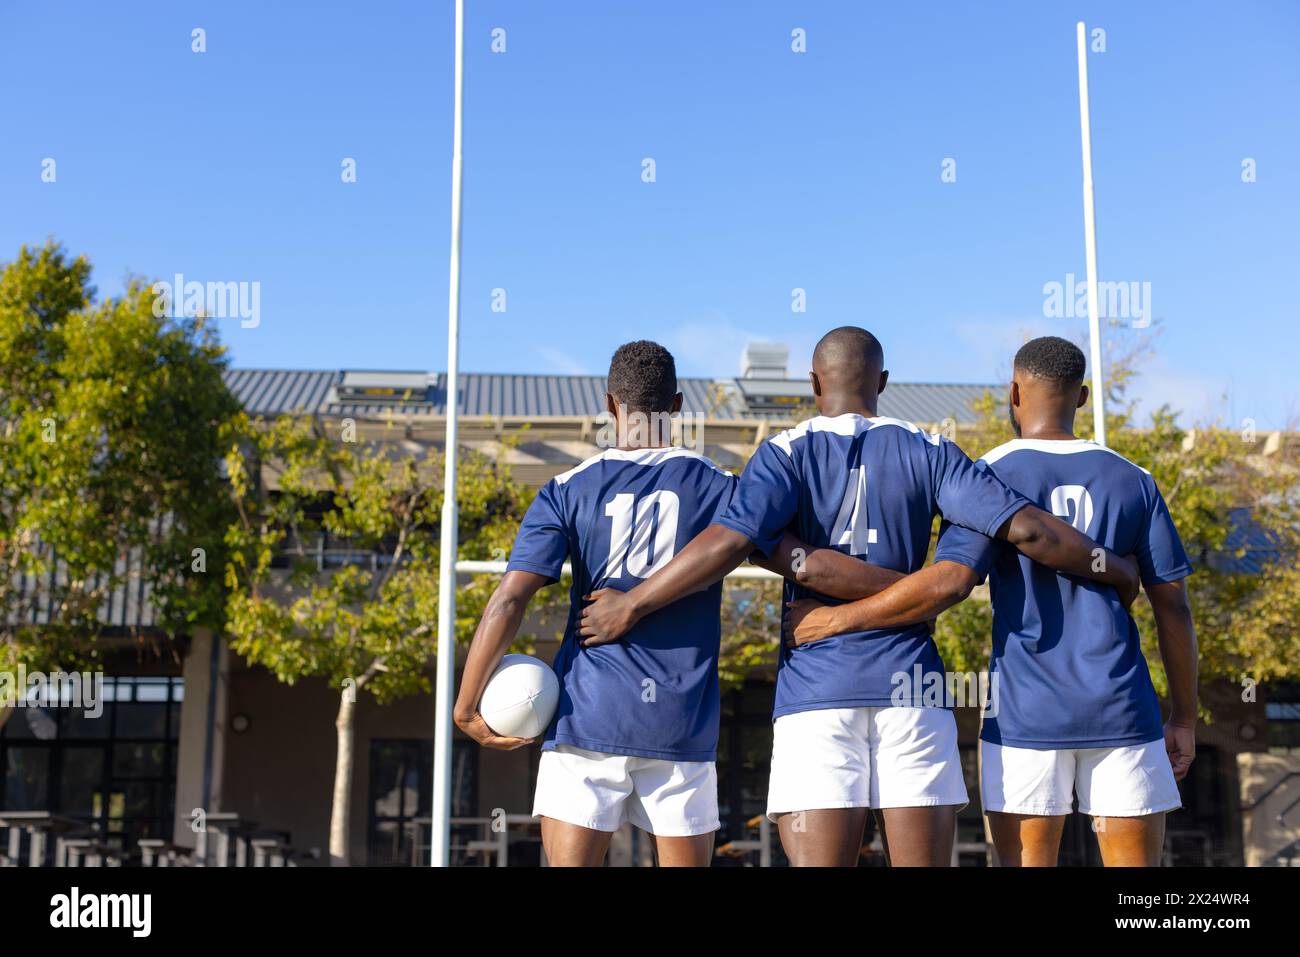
[[1052, 447], [647, 456]]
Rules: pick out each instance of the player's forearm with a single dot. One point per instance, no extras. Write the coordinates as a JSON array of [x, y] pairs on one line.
[[913, 599], [703, 562], [1051, 542], [786, 559], [495, 633], [830, 572], [1176, 634], [826, 570]]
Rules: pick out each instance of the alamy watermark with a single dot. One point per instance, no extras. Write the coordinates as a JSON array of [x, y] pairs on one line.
[[1128, 301], [219, 300], [133, 912], [919, 688], [55, 689], [648, 429]]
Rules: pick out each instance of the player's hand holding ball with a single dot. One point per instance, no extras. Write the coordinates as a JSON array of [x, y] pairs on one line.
[[474, 726], [517, 704]]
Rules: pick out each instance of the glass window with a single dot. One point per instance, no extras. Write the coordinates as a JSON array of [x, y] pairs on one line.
[[81, 781], [27, 778], [141, 800], [401, 794], [31, 723], [396, 790], [388, 844], [138, 759], [78, 725], [115, 772], [118, 689], [744, 763], [141, 720], [1283, 726], [151, 689]]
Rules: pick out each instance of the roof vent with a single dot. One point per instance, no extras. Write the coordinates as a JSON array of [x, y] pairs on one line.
[[388, 387], [764, 360]]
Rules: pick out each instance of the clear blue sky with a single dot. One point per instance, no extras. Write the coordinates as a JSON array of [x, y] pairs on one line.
[[774, 170]]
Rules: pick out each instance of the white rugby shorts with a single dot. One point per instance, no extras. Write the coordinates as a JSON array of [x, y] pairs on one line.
[[865, 757], [1121, 781], [601, 791]]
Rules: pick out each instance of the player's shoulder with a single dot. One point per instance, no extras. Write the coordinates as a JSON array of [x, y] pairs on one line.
[[688, 460], [647, 458], [1017, 448], [902, 429], [849, 425], [564, 478]]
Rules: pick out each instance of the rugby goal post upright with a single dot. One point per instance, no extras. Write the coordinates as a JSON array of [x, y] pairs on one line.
[[1090, 242], [445, 689]]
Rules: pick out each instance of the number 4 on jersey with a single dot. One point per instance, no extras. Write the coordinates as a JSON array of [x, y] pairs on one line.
[[851, 523]]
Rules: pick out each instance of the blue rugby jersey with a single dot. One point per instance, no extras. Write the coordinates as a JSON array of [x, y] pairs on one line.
[[619, 517], [869, 487], [1069, 665]]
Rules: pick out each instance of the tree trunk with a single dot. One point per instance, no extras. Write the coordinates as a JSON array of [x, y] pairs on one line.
[[342, 805], [4, 715]]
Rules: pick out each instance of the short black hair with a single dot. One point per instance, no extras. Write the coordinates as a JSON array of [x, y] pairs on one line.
[[643, 377], [852, 347], [1053, 359]]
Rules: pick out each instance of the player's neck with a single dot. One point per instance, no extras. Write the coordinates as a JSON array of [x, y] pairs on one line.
[[639, 430], [831, 406], [1048, 430]]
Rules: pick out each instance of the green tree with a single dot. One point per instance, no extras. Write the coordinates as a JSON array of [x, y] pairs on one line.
[[111, 418], [751, 629], [333, 569]]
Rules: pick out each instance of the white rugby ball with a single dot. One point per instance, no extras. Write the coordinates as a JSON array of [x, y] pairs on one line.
[[520, 698]]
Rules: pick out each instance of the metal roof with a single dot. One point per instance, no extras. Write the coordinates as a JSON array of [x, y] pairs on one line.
[[273, 391], [276, 391]]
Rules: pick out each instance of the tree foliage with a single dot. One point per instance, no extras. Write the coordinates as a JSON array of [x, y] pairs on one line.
[[334, 562], [751, 619], [333, 568], [111, 419]]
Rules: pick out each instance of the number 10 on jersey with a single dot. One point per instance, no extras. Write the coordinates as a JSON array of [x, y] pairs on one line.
[[644, 535]]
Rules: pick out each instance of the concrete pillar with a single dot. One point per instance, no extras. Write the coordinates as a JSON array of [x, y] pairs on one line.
[[200, 710], [1270, 788]]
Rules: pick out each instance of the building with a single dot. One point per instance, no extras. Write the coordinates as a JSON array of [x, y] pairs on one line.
[[192, 727]]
